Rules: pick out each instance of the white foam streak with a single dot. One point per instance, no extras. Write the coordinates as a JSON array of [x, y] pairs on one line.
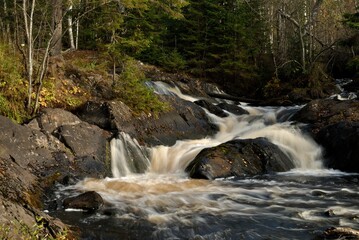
[[127, 156]]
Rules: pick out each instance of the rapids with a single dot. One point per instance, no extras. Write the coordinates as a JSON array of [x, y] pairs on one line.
[[151, 197]]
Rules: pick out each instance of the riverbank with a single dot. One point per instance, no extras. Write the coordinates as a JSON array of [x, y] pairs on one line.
[[62, 147]]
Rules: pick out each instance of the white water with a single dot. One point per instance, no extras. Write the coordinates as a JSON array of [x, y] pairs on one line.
[[260, 122], [150, 186]]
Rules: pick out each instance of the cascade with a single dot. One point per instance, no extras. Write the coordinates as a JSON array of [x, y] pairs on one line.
[[128, 157], [151, 197]]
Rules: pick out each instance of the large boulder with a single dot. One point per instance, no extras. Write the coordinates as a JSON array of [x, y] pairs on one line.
[[334, 125], [88, 143], [324, 112], [185, 120], [89, 201], [341, 144], [239, 158], [25, 146]]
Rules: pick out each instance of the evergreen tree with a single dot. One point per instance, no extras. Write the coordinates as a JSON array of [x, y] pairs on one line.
[[222, 40]]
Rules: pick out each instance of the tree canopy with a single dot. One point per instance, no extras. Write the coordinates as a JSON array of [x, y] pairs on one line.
[[244, 45]]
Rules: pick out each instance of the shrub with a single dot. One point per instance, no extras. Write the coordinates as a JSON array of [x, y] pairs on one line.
[[13, 88], [131, 89]]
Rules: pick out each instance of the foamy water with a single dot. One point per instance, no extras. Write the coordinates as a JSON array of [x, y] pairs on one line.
[[151, 197]]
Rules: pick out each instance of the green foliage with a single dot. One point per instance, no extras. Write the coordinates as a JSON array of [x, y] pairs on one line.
[[13, 88], [272, 88], [19, 230], [131, 89], [352, 20]]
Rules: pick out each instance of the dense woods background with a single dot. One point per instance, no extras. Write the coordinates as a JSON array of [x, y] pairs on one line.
[[253, 48]]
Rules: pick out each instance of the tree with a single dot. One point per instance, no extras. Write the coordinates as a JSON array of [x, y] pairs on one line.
[[57, 16]]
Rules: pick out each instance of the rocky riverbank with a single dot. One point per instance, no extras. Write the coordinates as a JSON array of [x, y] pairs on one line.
[[62, 147]]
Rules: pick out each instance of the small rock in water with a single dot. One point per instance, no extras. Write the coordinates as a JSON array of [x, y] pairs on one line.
[[89, 201], [329, 213], [339, 233]]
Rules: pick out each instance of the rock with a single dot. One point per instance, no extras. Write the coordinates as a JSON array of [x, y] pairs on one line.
[[341, 144], [90, 146], [89, 201], [329, 213], [20, 199], [321, 113], [52, 118], [211, 108], [334, 125], [232, 108], [83, 139], [339, 233], [185, 120], [238, 158], [103, 114], [24, 146]]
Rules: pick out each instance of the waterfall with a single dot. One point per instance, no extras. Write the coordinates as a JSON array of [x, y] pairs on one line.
[[129, 157]]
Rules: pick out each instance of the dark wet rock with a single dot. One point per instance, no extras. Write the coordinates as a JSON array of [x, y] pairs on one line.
[[211, 108], [33, 159], [341, 144], [232, 108], [329, 213], [102, 114], [344, 233], [352, 86], [185, 120], [238, 158], [89, 201], [334, 125], [324, 112]]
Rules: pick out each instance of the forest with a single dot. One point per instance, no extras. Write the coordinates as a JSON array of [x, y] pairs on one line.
[[252, 48]]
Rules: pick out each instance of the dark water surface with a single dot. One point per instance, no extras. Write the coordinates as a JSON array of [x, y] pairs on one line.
[[150, 196], [292, 205]]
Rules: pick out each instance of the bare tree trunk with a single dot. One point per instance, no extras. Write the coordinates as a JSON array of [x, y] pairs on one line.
[[5, 25], [56, 45], [70, 24], [41, 77], [303, 50], [29, 20], [77, 33]]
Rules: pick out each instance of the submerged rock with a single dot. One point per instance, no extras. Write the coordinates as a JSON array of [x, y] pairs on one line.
[[89, 201], [211, 108], [232, 108], [238, 158]]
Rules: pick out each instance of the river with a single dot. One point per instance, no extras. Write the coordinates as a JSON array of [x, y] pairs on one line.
[[151, 196]]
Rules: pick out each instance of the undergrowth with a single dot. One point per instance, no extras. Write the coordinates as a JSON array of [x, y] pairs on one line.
[[19, 230], [13, 87], [59, 90], [131, 89]]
